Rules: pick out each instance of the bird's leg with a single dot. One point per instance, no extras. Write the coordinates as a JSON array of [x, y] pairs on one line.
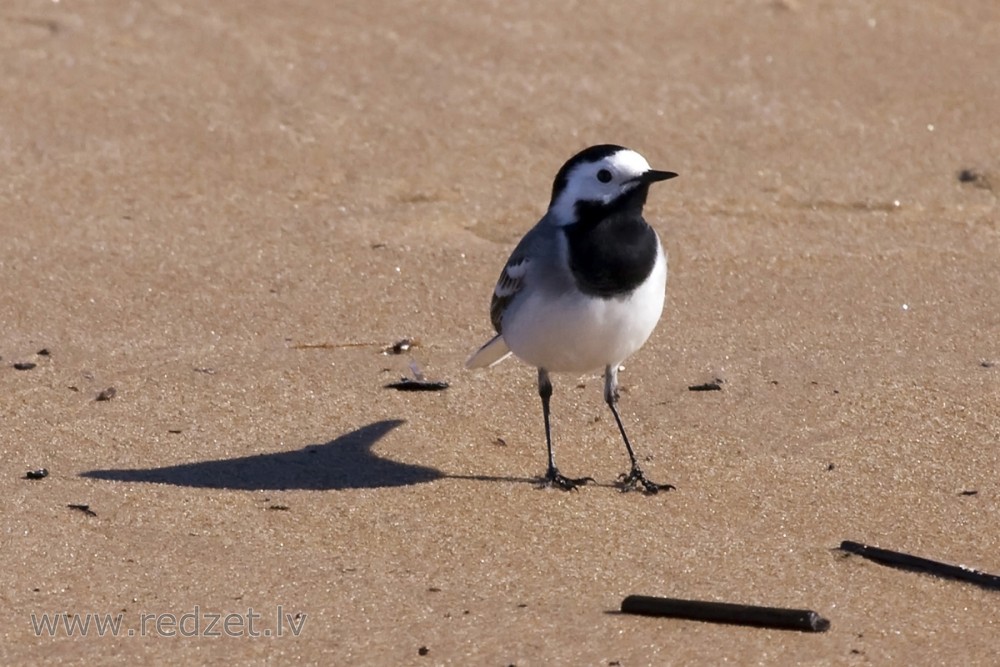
[[635, 476], [553, 477]]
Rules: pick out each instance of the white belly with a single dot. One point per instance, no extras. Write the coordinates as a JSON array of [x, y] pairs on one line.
[[566, 332]]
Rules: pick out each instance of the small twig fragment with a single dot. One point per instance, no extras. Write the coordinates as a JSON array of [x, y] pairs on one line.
[[83, 508], [906, 561], [725, 612], [418, 384], [714, 385], [329, 346], [406, 384]]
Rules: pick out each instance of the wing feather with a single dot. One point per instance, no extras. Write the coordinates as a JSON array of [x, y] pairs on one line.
[[510, 283], [513, 279]]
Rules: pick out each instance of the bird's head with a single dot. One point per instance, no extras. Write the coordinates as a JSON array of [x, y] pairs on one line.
[[601, 177]]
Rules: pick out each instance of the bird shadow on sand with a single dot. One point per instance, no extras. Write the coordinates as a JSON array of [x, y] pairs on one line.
[[346, 462]]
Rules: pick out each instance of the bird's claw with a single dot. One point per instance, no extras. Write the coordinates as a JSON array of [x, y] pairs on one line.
[[635, 478], [555, 478]]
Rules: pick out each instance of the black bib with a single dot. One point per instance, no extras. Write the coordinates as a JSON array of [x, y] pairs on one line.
[[611, 248]]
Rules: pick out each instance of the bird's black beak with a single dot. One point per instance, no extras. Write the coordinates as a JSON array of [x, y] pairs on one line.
[[652, 176]]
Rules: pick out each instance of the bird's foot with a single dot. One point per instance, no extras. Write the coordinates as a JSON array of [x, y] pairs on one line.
[[636, 480], [555, 478]]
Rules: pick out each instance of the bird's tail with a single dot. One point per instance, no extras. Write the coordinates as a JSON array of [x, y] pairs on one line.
[[492, 353]]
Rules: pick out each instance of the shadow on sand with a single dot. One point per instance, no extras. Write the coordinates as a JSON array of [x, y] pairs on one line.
[[344, 463]]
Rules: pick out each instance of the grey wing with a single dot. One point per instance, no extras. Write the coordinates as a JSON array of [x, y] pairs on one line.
[[510, 283], [533, 248]]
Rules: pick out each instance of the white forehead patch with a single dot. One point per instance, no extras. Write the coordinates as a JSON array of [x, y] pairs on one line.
[[628, 163], [583, 184]]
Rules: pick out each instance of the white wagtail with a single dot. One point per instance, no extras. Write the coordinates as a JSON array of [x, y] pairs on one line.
[[584, 288]]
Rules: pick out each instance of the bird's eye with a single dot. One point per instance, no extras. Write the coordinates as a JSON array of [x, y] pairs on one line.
[[604, 176]]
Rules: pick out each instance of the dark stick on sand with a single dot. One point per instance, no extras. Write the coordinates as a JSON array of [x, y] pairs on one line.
[[904, 561], [725, 612]]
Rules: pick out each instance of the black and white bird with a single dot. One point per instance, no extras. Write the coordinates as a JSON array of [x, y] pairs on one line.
[[584, 288]]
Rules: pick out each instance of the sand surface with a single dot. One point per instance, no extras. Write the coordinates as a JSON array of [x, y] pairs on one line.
[[225, 210]]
